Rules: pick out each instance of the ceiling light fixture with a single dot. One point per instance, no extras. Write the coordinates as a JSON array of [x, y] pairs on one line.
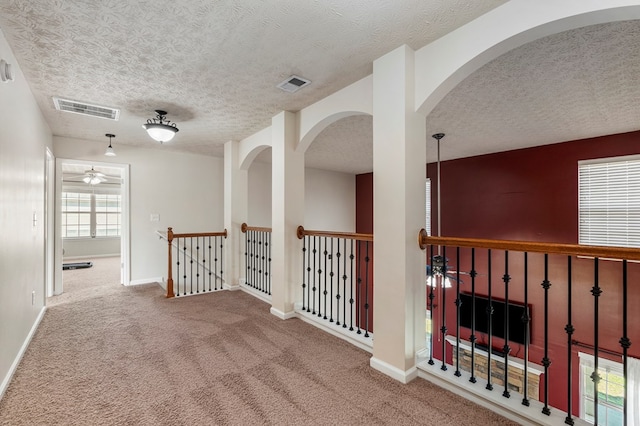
[[110, 152], [160, 129], [93, 177]]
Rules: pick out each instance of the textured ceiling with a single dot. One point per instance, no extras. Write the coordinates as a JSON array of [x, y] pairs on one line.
[[214, 65]]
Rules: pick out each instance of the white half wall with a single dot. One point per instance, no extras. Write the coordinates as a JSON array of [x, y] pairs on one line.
[[90, 247], [184, 190], [24, 137]]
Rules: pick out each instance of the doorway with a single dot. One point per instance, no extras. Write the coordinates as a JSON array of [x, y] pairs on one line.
[[91, 215]]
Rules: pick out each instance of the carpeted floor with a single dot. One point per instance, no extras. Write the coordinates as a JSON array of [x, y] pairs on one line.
[[126, 355]]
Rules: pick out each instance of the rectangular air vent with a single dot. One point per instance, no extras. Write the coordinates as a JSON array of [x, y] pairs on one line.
[[86, 109], [293, 84]]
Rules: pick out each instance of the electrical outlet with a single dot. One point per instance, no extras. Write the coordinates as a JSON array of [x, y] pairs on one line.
[[33, 298]]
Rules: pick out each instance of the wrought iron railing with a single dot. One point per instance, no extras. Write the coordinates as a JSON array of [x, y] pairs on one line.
[[581, 300], [199, 262], [257, 255], [337, 279]]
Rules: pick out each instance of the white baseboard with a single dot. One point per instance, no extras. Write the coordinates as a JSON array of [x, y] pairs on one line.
[[255, 293], [23, 349], [95, 256], [282, 315], [147, 281], [230, 287], [394, 372]]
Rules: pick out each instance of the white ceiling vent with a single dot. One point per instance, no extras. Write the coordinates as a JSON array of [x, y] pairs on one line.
[[86, 109], [293, 84]]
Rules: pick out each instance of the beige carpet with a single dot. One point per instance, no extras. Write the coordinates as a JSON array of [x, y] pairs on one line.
[[117, 355]]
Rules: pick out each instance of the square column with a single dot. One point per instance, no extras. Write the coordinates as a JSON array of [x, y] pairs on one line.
[[236, 203], [399, 156], [287, 213]]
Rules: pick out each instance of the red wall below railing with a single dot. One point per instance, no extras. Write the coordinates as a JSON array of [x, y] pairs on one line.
[[530, 194]]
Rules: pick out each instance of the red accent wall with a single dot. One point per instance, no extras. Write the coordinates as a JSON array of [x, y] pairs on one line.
[[532, 194]]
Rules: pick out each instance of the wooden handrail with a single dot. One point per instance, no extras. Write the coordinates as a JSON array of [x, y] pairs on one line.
[[532, 247], [170, 237], [244, 228], [199, 234], [348, 235]]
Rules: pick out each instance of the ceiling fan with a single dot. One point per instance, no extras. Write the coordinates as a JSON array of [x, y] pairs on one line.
[[91, 177]]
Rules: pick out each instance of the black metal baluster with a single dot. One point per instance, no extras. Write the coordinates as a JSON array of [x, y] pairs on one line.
[[344, 285], [255, 261], [331, 284], [489, 324], [526, 317], [625, 342], [351, 256], [177, 268], [263, 284], [304, 269], [359, 288], [191, 263], [247, 279], [313, 311], [366, 291], [569, 330], [269, 263], [211, 271], [506, 349], [432, 284], [197, 265], [472, 338], [457, 303], [308, 273], [320, 277], [325, 292], [215, 260], [221, 260], [184, 269], [545, 361], [338, 255], [443, 327], [596, 291]]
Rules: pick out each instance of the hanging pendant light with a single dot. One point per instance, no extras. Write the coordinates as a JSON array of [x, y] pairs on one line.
[[160, 129], [109, 151]]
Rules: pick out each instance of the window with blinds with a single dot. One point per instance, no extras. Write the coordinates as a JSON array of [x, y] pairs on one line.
[[609, 202]]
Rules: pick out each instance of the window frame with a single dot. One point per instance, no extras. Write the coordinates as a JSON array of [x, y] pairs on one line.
[[599, 228], [587, 361], [93, 234]]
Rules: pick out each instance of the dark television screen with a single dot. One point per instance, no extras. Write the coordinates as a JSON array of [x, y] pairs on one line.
[[516, 311]]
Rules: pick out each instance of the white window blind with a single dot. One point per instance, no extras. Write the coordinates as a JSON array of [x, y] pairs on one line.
[[609, 202]]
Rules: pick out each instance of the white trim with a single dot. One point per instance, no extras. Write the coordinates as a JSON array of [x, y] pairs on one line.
[[510, 408], [252, 291], [358, 340], [393, 372], [282, 315], [158, 280], [16, 362], [231, 287], [632, 157]]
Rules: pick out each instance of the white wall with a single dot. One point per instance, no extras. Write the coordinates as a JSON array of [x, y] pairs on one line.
[[24, 136], [185, 190], [330, 199], [259, 190], [75, 248]]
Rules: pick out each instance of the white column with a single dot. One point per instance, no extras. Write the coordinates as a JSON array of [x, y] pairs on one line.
[[287, 212], [399, 154], [235, 212]]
